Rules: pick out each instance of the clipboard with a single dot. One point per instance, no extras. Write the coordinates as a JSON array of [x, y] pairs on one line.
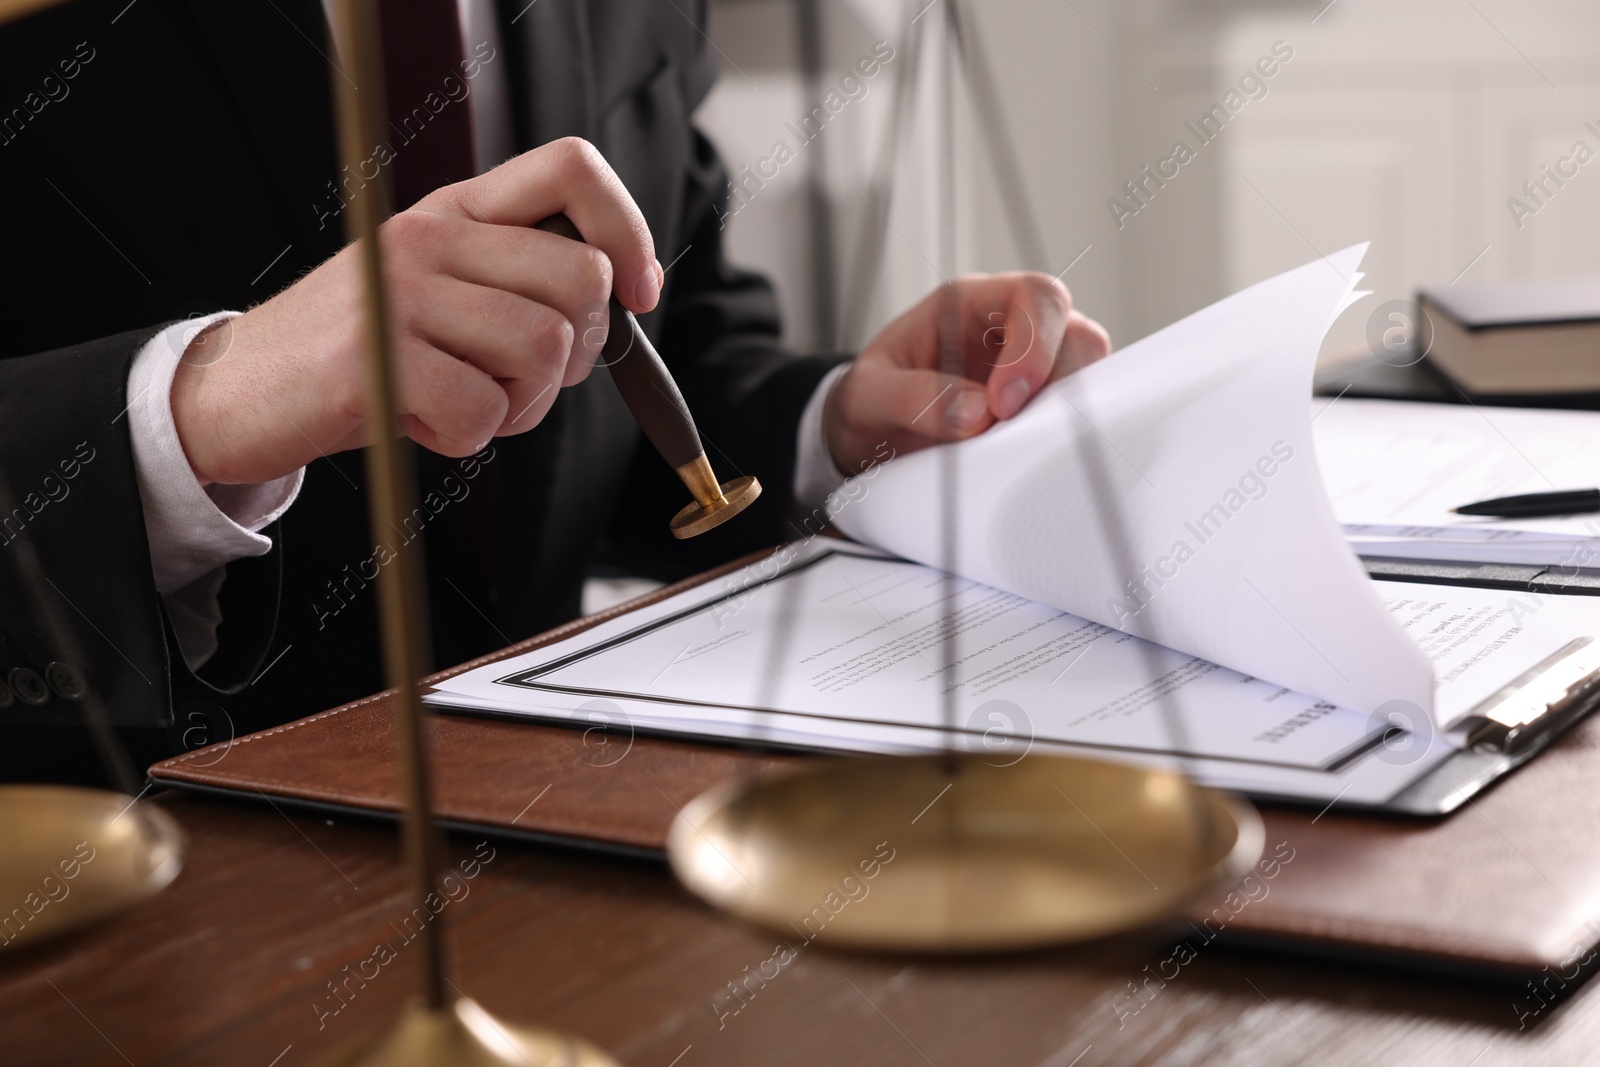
[[1526, 910], [1519, 720], [1480, 764], [1506, 729]]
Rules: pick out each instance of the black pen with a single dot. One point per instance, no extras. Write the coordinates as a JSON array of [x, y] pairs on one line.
[[1536, 505]]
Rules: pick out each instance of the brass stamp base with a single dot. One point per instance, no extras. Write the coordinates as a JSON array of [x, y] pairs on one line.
[[698, 517]]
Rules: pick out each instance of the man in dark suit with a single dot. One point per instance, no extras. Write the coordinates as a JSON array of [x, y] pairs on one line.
[[189, 477]]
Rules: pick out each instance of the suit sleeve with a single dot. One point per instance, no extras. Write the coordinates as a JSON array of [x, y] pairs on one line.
[[67, 454]]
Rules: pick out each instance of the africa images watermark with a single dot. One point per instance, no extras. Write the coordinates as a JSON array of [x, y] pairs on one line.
[[53, 889], [52, 490], [1252, 485], [995, 328], [853, 888], [1252, 85], [1538, 191], [342, 591], [851, 491], [452, 90], [1567, 970], [343, 987], [1579, 557], [851, 89], [1148, 985], [52, 90], [748, 579]]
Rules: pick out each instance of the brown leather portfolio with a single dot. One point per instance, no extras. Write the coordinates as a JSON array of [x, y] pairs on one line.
[[1506, 887]]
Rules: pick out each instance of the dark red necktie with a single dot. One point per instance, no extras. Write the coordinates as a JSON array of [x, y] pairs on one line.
[[430, 128]]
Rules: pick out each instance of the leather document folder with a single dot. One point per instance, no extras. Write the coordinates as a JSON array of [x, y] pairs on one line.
[[1505, 888]]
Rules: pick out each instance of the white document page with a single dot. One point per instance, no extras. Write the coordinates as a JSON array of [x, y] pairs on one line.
[[1393, 471], [841, 647], [1171, 491]]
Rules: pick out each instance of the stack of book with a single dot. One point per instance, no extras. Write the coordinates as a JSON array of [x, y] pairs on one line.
[[1515, 338]]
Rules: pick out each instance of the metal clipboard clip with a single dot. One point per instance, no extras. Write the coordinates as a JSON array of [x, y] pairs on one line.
[[1539, 703]]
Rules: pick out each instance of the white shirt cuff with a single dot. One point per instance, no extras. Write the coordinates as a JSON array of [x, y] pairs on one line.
[[815, 475], [192, 530]]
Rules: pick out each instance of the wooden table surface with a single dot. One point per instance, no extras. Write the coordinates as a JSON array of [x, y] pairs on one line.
[[234, 963]]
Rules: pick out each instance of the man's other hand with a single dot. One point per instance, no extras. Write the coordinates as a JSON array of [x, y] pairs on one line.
[[1015, 332], [490, 319]]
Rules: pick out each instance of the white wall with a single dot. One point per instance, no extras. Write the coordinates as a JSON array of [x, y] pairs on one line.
[[1405, 122], [752, 107]]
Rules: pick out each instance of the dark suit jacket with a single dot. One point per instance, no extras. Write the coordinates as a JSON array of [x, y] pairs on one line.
[[176, 156]]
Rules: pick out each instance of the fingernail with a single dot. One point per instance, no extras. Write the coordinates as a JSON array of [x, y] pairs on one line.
[[649, 290], [967, 410], [1013, 396]]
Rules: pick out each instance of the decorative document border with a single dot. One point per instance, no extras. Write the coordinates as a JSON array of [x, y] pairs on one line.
[[530, 679]]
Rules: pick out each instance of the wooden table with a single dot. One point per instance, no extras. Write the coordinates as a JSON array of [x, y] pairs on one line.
[[234, 965]]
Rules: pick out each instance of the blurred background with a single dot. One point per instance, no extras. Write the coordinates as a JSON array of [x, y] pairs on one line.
[[1409, 123]]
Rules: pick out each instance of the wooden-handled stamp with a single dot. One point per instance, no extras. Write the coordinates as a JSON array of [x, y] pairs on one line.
[[641, 376]]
